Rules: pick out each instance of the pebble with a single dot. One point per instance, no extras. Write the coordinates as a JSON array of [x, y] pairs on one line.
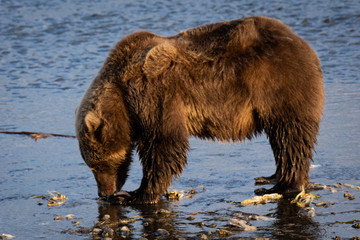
[[127, 221], [107, 232], [96, 231], [204, 237], [6, 236], [356, 225], [124, 231], [147, 221], [249, 216], [162, 233], [84, 230], [163, 211], [59, 218], [349, 196], [223, 232], [213, 225], [308, 211], [242, 224], [322, 204], [69, 216]]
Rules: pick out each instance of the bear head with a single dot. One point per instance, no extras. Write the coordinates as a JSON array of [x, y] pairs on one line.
[[104, 138]]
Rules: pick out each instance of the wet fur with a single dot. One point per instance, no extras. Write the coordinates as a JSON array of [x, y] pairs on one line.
[[224, 81]]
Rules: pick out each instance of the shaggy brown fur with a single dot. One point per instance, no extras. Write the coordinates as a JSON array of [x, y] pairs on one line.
[[226, 81]]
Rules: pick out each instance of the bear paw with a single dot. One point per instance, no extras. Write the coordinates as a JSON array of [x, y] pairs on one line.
[[286, 192], [132, 198], [266, 180], [121, 197]]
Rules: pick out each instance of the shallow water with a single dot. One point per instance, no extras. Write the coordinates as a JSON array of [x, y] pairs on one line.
[[50, 52]]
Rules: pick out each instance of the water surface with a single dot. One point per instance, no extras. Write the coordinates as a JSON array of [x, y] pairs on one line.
[[50, 52]]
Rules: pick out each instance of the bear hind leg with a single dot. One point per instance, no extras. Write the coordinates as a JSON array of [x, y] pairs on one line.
[[292, 144]]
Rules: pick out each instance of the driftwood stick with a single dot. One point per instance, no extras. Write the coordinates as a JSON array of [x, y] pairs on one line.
[[37, 135]]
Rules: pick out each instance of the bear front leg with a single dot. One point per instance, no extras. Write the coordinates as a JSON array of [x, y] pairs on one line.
[[163, 158]]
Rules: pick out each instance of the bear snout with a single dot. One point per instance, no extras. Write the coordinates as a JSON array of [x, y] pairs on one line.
[[107, 192], [106, 183]]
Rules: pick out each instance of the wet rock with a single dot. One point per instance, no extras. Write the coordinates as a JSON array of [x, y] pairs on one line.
[[84, 230], [6, 236], [348, 185], [174, 195], [127, 221], [107, 232], [59, 218], [262, 199], [307, 211], [56, 199], [213, 225], [96, 231], [77, 231], [147, 221], [162, 233], [163, 212], [316, 186], [323, 204], [75, 223], [190, 218], [106, 217], [204, 237], [222, 232], [69, 216], [192, 192], [250, 216], [356, 225], [123, 231], [242, 224], [349, 196]]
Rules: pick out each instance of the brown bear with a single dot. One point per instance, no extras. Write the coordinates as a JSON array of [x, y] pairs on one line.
[[225, 81]]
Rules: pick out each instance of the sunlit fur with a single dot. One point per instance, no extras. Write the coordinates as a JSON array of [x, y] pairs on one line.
[[226, 81]]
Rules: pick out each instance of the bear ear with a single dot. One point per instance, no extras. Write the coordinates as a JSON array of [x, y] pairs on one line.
[[92, 122], [245, 35], [159, 58]]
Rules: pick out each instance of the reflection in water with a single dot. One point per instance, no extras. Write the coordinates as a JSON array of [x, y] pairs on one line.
[[154, 220], [287, 221], [292, 223]]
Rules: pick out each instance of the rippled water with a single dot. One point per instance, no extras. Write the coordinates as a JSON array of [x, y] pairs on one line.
[[51, 50]]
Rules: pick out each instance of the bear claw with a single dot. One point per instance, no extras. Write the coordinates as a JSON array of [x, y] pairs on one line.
[[121, 197], [122, 193]]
